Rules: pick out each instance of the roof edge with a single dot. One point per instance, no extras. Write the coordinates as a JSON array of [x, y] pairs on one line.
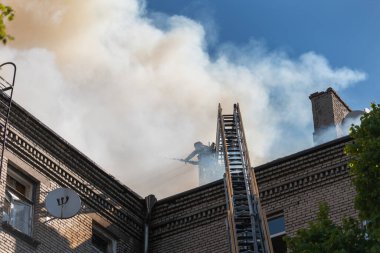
[[16, 106], [304, 152], [187, 192]]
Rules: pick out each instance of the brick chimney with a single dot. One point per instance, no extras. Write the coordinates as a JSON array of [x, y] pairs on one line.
[[328, 112]]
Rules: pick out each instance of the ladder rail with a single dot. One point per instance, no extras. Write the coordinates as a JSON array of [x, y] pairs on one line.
[[245, 163], [6, 93], [246, 221], [221, 142], [254, 187]]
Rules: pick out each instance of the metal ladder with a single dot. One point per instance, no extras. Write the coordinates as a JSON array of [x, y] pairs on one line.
[[7, 81], [248, 231]]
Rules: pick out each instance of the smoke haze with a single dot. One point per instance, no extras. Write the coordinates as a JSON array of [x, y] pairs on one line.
[[131, 90]]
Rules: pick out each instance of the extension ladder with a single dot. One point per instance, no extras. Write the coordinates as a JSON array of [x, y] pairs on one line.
[[248, 231]]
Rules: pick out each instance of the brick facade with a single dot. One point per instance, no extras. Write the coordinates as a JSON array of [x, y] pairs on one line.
[[42, 156], [293, 186], [193, 221], [297, 184]]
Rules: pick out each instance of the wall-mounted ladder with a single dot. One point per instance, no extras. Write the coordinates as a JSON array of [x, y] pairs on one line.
[[7, 82], [248, 230]]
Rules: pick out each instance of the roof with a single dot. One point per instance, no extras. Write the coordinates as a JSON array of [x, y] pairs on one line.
[[303, 153], [37, 131]]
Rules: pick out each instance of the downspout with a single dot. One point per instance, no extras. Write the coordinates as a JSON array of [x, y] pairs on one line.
[[150, 201]]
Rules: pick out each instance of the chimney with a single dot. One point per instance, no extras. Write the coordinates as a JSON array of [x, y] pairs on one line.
[[329, 110]]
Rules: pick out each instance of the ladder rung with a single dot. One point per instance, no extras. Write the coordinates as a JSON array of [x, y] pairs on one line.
[[5, 89]]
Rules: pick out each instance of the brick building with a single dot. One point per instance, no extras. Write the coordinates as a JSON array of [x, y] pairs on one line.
[[37, 161], [115, 219]]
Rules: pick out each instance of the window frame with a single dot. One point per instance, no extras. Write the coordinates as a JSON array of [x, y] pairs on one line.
[[106, 235], [281, 234], [12, 195], [273, 217]]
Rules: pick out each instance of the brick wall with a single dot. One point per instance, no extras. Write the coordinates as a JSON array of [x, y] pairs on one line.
[[293, 186], [322, 107], [297, 184], [40, 154], [56, 235], [193, 221]]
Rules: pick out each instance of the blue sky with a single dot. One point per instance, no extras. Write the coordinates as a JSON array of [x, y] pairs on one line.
[[347, 33]]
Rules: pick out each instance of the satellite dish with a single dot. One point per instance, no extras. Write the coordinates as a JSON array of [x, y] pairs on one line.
[[63, 203]]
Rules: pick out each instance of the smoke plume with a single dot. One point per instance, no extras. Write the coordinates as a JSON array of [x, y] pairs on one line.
[[132, 90]]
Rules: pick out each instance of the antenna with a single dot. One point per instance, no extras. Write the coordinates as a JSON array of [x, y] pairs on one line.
[[63, 203], [7, 82]]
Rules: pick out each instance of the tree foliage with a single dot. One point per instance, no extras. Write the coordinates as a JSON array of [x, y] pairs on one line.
[[6, 14], [323, 235], [364, 165]]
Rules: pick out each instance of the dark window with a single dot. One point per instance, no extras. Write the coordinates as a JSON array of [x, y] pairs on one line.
[[276, 225], [102, 241], [18, 201], [277, 232]]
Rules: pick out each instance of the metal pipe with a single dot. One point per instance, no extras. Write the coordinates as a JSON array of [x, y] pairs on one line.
[[150, 201]]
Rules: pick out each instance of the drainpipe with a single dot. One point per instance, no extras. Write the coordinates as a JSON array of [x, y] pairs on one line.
[[150, 201]]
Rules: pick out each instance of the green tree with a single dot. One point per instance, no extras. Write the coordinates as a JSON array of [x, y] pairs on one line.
[[323, 235], [364, 153], [6, 14]]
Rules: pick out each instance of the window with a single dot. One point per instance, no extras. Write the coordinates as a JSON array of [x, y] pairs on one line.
[[277, 232], [102, 241], [18, 202]]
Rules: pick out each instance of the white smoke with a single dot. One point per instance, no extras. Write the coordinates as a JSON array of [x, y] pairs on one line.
[[332, 131], [132, 91], [348, 123]]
